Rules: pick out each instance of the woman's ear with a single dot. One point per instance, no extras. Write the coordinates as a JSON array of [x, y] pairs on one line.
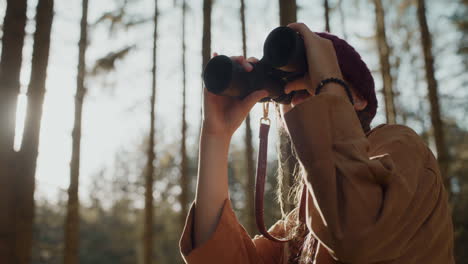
[[359, 102]]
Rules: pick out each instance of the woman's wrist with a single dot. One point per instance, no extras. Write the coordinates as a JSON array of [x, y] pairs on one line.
[[218, 134], [221, 138], [334, 89]]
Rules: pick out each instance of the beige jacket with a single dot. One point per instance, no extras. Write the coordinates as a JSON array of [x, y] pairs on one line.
[[375, 198]]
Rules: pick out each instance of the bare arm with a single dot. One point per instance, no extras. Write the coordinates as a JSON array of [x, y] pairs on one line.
[[212, 186], [221, 117]]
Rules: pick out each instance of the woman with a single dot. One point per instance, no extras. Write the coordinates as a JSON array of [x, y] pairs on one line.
[[373, 196]]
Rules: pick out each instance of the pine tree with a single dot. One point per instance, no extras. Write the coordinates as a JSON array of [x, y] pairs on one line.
[[11, 184], [184, 180], [23, 164], [287, 11], [437, 123], [385, 68], [72, 217], [326, 10], [249, 155], [28, 153], [206, 45], [342, 18], [148, 240]]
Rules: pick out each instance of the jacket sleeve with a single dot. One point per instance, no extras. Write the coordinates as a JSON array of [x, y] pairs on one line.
[[359, 200], [230, 243]]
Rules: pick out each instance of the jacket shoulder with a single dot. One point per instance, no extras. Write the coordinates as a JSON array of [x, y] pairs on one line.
[[395, 131], [396, 136], [393, 128]]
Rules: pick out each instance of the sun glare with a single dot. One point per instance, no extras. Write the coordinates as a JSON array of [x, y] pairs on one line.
[[21, 108]]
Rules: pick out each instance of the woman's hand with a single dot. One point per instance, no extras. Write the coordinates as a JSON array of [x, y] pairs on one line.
[[322, 63], [222, 115]]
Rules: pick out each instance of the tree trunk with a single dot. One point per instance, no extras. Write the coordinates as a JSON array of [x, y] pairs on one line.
[[286, 160], [15, 222], [249, 155], [342, 19], [29, 151], [288, 11], [326, 10], [206, 47], [206, 39], [148, 240], [384, 55], [72, 220], [183, 150], [437, 124]]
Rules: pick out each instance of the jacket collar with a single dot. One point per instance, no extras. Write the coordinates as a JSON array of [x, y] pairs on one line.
[[373, 129]]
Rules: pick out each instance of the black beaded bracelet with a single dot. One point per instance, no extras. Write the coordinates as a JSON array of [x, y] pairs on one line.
[[338, 81]]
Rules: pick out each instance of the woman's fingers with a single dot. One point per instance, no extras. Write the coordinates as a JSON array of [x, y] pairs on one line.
[[253, 60], [304, 30], [321, 55], [238, 59], [247, 66], [242, 61], [250, 60]]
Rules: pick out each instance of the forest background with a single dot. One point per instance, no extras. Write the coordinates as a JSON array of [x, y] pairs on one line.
[[100, 110]]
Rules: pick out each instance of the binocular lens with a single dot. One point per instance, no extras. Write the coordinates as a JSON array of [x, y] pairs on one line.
[[283, 59], [224, 76], [219, 70], [284, 49], [279, 46]]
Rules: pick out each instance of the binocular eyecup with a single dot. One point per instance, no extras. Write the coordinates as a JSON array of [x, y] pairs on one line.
[[284, 60]]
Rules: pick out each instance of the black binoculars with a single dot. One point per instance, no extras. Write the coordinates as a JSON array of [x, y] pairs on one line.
[[284, 60]]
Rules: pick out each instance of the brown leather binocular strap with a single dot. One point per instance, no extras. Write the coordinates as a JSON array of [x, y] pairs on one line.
[[260, 186]]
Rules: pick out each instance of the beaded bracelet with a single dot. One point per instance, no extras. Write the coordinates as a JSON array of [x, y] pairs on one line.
[[338, 81]]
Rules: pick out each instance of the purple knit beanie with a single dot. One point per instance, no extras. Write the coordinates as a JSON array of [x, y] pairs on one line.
[[355, 71]]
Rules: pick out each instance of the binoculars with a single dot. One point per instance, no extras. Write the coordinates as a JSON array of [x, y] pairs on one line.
[[284, 60]]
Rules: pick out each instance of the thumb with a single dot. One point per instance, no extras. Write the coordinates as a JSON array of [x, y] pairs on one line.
[[303, 30]]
